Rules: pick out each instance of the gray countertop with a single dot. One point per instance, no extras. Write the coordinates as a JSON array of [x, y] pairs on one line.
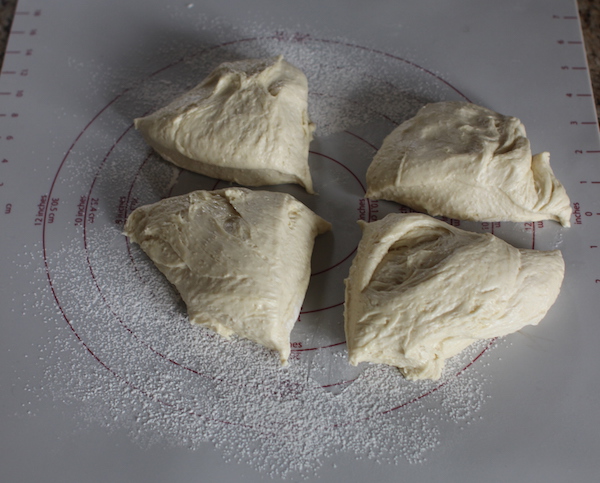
[[589, 15]]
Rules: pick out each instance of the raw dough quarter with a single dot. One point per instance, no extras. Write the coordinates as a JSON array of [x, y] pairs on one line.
[[467, 162], [239, 258], [247, 122], [420, 291]]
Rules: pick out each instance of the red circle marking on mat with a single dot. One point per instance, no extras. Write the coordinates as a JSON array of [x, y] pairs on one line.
[[102, 111]]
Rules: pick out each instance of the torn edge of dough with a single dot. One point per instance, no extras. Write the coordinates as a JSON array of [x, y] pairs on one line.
[[420, 291], [240, 259], [247, 122]]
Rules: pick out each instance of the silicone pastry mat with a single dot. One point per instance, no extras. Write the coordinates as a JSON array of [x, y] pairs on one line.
[[105, 380]]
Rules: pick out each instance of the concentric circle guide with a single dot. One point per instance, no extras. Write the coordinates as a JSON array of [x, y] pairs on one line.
[[334, 167]]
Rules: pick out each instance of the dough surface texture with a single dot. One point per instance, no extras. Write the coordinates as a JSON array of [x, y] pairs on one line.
[[467, 162], [247, 122], [420, 291], [239, 258]]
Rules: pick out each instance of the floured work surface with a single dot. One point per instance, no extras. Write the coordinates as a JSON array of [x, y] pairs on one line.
[[95, 337]]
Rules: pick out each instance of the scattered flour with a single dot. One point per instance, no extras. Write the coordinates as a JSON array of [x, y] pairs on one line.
[[120, 347]]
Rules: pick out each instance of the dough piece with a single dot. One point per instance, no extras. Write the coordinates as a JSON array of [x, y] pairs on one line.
[[420, 291], [466, 162], [239, 258], [246, 122]]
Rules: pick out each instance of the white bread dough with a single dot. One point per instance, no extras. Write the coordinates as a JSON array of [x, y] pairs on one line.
[[467, 162], [239, 258], [246, 122], [420, 291]]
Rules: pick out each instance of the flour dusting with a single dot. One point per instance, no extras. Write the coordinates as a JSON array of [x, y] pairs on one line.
[[123, 352]]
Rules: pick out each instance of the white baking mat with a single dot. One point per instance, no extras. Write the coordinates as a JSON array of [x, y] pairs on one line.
[[103, 377]]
